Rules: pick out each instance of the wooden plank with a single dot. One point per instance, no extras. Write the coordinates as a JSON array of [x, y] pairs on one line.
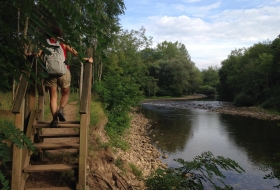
[[64, 122], [49, 167], [60, 135], [51, 188], [83, 152], [53, 146], [60, 125]]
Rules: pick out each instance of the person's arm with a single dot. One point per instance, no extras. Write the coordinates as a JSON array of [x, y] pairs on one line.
[[74, 52], [35, 54]]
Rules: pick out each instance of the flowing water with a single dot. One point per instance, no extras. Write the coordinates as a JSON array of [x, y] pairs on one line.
[[180, 129]]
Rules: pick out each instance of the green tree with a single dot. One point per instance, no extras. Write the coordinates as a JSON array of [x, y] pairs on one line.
[[174, 69], [251, 76], [210, 76], [23, 23]]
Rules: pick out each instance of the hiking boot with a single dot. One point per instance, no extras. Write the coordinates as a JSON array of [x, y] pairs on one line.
[[54, 123], [60, 115]]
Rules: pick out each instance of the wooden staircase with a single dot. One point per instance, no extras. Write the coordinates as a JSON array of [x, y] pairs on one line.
[[42, 146], [30, 120]]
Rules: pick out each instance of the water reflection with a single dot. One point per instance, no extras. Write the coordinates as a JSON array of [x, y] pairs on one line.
[[183, 132], [163, 130]]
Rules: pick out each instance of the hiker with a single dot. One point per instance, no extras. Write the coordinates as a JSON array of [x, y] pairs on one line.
[[61, 78]]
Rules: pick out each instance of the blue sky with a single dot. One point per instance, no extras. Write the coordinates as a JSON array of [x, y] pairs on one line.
[[210, 29]]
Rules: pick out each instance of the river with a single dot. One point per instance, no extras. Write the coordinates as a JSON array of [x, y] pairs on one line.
[[180, 129]]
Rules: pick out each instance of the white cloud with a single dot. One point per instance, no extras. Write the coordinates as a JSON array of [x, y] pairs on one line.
[[216, 38], [208, 34], [192, 1]]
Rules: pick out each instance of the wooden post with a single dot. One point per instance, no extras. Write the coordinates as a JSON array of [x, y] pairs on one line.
[[83, 153], [25, 152], [17, 153], [84, 125]]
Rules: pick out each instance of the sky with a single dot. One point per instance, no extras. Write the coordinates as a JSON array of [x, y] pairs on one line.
[[210, 29]]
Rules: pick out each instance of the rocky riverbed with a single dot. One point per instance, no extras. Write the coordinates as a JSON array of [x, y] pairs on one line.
[[229, 108], [219, 106]]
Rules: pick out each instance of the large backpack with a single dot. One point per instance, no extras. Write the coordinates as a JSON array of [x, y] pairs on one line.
[[54, 62]]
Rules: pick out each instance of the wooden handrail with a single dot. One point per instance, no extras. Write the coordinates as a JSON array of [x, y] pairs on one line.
[[86, 88], [21, 90]]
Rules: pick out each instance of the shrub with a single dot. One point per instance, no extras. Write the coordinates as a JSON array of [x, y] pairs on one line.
[[243, 99], [207, 90], [272, 103]]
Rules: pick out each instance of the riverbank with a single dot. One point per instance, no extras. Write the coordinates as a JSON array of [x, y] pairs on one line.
[[189, 97], [225, 108], [114, 168]]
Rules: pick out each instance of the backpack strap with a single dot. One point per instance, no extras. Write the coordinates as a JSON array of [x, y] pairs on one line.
[[57, 43]]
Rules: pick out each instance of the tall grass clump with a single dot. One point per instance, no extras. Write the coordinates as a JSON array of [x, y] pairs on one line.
[[97, 114]]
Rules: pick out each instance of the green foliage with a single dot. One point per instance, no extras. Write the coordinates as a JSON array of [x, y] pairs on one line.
[[86, 23], [117, 94], [171, 71], [119, 163], [243, 99], [251, 76], [207, 90], [4, 182], [193, 174], [210, 77], [9, 132], [272, 103]]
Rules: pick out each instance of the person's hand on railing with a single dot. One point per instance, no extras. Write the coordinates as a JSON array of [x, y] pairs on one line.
[[29, 54], [90, 60]]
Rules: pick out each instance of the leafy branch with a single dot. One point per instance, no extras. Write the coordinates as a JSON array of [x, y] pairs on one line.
[[204, 168]]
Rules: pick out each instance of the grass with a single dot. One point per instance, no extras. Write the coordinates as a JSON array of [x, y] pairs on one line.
[[136, 171], [6, 101], [120, 164], [97, 114]]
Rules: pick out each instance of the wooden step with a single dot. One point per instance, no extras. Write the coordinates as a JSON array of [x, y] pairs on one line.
[[66, 122], [54, 146], [49, 167], [50, 188], [60, 125], [45, 135]]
